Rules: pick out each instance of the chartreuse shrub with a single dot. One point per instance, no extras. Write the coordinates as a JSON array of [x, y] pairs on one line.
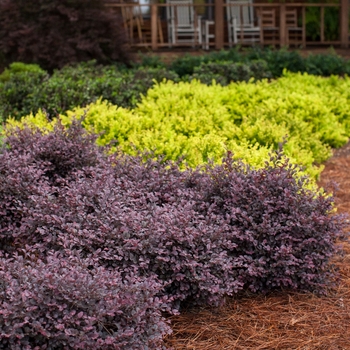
[[312, 112], [95, 247], [196, 123]]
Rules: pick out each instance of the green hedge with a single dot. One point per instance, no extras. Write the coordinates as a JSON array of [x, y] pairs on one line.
[[195, 122], [224, 72], [26, 91], [27, 88], [276, 60]]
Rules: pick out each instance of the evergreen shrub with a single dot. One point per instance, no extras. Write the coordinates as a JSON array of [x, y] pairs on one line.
[[60, 303], [226, 72], [77, 85], [18, 84], [184, 66], [327, 65], [26, 90], [276, 60], [201, 234], [19, 67], [51, 296]]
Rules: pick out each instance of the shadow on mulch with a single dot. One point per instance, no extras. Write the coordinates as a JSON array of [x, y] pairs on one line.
[[280, 321]]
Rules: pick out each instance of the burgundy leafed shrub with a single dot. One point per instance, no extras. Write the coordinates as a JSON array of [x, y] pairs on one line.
[[196, 235], [54, 33], [58, 154], [284, 233], [61, 304]]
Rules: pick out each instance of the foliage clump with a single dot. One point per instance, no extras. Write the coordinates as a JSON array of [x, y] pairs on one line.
[[18, 84], [195, 122], [224, 73], [96, 246], [275, 61], [55, 33], [61, 303], [27, 88]]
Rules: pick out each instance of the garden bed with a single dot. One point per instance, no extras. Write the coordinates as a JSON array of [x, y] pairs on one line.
[[178, 238], [281, 320]]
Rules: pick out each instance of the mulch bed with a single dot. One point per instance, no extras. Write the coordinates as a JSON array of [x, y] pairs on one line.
[[284, 320]]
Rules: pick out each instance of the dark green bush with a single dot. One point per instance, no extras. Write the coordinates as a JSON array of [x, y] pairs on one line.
[[17, 68], [27, 88], [85, 83], [232, 55], [185, 65], [149, 61], [327, 65], [225, 72], [18, 85], [277, 61], [77, 85], [26, 92]]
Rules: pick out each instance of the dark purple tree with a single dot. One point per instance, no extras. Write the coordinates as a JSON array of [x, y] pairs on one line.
[[54, 33]]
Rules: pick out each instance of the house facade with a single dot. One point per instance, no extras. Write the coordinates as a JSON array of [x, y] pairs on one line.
[[217, 24]]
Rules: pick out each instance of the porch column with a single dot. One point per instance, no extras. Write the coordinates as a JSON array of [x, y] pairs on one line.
[[344, 23], [154, 29], [219, 24], [283, 27]]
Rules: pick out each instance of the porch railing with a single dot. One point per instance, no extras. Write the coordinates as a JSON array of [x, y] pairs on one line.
[[147, 25]]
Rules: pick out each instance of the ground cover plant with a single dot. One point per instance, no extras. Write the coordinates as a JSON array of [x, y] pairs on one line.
[[195, 122], [168, 237]]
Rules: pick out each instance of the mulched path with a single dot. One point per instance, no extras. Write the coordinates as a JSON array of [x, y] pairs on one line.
[[282, 321], [337, 171]]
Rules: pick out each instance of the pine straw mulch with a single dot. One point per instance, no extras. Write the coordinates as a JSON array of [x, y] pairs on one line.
[[284, 320]]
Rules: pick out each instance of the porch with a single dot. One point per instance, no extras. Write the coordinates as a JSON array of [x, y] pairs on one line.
[[302, 25]]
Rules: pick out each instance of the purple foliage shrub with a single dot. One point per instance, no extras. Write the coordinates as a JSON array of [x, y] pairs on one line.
[[61, 304], [59, 153], [201, 234], [284, 233]]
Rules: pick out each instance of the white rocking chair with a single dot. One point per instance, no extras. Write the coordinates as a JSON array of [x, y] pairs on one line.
[[241, 25], [184, 26]]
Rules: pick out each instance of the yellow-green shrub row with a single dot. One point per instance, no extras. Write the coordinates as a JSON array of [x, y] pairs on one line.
[[200, 122]]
